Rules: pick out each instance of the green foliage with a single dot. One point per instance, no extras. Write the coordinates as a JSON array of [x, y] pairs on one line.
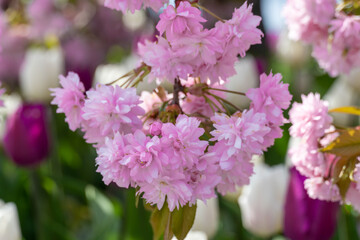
[[347, 144], [167, 224]]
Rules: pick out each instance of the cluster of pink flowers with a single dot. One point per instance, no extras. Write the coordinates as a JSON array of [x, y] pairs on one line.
[[334, 33], [180, 147], [312, 124], [168, 161], [189, 49]]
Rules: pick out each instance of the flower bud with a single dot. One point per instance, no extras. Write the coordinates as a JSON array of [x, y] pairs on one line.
[[39, 72], [155, 128], [26, 138], [9, 222], [307, 218], [262, 202]]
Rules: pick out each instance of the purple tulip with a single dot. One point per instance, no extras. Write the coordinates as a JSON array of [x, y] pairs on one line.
[[26, 138], [307, 218], [82, 56]]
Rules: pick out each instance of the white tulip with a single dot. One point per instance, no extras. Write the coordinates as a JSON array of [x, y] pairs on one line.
[[341, 94], [194, 235], [134, 21], [292, 52], [105, 74], [234, 196], [207, 217], [39, 72], [246, 77], [353, 78], [262, 202], [11, 104], [9, 222]]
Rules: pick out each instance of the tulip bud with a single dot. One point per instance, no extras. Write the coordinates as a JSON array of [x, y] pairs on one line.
[[207, 217], [9, 222], [26, 138], [262, 202], [307, 218], [39, 72]]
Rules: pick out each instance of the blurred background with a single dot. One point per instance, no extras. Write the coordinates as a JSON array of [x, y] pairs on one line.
[[48, 179]]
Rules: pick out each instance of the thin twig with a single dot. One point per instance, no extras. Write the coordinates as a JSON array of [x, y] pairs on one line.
[[209, 12], [228, 91]]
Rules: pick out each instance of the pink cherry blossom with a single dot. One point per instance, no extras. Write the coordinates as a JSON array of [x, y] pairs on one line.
[[144, 156], [310, 119], [165, 63], [196, 105], [308, 160], [240, 32], [308, 20], [184, 19], [271, 98], [241, 133], [108, 109], [203, 178], [342, 53], [70, 99], [181, 141], [108, 161], [133, 5], [318, 188], [170, 186]]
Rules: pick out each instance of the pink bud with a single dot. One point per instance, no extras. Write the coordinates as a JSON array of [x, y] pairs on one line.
[[155, 128]]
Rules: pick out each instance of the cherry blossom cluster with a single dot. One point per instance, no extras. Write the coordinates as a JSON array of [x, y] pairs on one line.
[[170, 161], [176, 148], [312, 125], [184, 47], [332, 28]]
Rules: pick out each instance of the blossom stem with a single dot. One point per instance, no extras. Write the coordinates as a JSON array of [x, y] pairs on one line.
[[223, 100], [123, 76], [209, 12], [228, 91], [177, 88], [212, 103]]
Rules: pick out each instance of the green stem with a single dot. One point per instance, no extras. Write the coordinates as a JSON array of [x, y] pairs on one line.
[[224, 90], [123, 76], [211, 102], [224, 100]]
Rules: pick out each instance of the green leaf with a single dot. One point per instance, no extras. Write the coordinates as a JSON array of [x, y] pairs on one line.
[[105, 223], [342, 171], [346, 145], [183, 220], [159, 219], [347, 109]]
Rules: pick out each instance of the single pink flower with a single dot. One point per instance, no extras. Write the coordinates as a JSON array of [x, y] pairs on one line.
[[310, 119], [181, 141], [184, 19], [109, 161], [109, 109], [70, 99], [271, 98]]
